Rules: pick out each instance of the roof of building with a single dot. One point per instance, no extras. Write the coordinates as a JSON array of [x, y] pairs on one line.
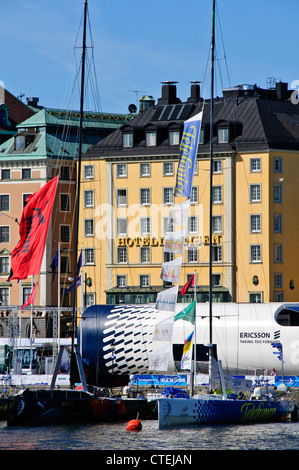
[[258, 119], [54, 133]]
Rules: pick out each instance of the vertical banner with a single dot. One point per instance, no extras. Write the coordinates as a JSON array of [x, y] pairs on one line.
[[166, 300], [171, 270], [188, 152], [27, 256]]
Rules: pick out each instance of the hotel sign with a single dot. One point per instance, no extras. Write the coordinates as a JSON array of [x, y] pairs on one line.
[[159, 241]]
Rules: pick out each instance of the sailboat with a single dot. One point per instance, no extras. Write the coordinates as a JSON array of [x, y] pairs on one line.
[[84, 403], [212, 408]]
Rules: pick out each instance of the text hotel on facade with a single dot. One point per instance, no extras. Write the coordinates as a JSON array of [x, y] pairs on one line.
[[128, 183]]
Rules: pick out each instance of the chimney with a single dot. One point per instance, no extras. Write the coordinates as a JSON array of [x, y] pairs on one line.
[[168, 93], [194, 93], [32, 101], [281, 90]]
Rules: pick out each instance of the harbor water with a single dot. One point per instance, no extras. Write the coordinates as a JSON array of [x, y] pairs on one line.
[[115, 437]]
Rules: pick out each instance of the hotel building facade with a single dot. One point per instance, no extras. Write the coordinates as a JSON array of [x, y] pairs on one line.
[[128, 189]]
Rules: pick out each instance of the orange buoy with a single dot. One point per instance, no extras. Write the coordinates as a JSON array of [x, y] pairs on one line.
[[134, 425]]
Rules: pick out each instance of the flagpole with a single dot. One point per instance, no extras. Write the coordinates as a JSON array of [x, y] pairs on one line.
[[31, 321], [74, 319], [58, 297], [195, 358], [211, 192]]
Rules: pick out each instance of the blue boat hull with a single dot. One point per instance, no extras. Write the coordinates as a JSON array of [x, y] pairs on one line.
[[197, 411]]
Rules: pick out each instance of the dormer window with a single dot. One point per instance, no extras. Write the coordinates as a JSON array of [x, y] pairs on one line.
[[223, 135], [151, 139], [20, 142], [174, 137], [128, 139]]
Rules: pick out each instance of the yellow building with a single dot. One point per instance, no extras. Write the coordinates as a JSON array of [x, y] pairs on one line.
[[127, 191]]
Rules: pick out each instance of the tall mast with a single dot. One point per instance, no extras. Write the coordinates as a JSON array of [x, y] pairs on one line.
[[77, 206], [211, 179]]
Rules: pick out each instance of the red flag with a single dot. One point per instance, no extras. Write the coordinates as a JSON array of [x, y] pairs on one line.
[[30, 299], [188, 284], [27, 256]]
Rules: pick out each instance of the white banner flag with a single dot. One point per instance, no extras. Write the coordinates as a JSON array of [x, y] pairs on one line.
[[163, 330], [178, 215], [174, 241], [171, 270], [159, 359], [166, 300]]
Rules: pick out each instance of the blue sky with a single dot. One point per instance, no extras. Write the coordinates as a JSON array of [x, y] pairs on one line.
[[137, 45]]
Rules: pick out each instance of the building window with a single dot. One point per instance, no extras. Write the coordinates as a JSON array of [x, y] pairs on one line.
[[144, 280], [65, 265], [4, 264], [121, 226], [121, 280], [255, 223], [121, 170], [88, 256], [5, 174], [216, 279], [4, 296], [168, 257], [278, 297], [174, 137], [168, 227], [128, 140], [168, 197], [277, 253], [88, 227], [145, 196], [121, 195], [217, 253], [168, 168], [145, 226], [217, 166], [145, 169], [255, 297], [217, 194], [277, 165], [255, 165], [65, 202], [145, 254], [278, 223], [151, 139], [255, 254], [255, 192], [65, 172], [26, 293], [201, 136], [88, 198], [20, 142], [223, 135], [122, 255], [4, 202], [277, 280], [88, 172], [4, 234], [217, 225], [192, 224], [90, 299], [25, 198], [277, 192], [192, 254], [194, 195], [65, 233], [26, 173]]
